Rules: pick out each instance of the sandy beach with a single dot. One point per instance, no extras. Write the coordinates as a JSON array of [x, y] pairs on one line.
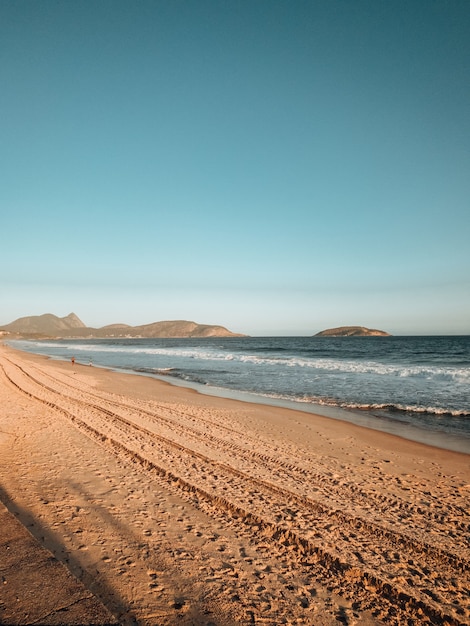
[[173, 507]]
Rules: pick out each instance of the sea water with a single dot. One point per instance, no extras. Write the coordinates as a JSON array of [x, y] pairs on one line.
[[416, 387]]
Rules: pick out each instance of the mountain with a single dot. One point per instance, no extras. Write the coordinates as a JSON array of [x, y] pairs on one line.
[[352, 331], [180, 328], [175, 328], [49, 325]]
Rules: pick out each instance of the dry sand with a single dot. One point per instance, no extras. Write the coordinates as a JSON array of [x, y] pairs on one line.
[[177, 508]]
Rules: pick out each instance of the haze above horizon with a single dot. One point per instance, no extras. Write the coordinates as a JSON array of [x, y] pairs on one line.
[[277, 168]]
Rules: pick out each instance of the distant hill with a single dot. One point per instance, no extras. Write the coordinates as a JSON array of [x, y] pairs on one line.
[[352, 331], [176, 328], [49, 325]]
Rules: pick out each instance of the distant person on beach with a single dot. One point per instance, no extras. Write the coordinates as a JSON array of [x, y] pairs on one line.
[[73, 360]]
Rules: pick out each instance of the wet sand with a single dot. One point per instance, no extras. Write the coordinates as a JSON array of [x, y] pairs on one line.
[[173, 507]]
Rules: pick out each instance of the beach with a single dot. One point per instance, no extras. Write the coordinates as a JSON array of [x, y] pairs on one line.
[[173, 507]]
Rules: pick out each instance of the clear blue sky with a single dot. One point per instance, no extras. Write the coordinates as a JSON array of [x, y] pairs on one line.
[[274, 167]]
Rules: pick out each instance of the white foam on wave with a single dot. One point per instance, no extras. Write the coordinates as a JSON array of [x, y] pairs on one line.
[[368, 407], [459, 375], [406, 408], [424, 372]]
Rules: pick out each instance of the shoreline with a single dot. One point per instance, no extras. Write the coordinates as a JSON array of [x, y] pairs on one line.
[[365, 419], [174, 506], [347, 417]]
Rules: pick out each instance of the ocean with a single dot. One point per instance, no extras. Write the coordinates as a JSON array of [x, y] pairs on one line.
[[414, 387]]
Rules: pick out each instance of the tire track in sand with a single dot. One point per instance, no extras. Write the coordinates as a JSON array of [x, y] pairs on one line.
[[315, 531]]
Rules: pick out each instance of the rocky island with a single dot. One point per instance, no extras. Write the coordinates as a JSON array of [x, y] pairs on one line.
[[352, 331]]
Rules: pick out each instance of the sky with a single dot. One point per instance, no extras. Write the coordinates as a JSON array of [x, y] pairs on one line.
[[276, 167]]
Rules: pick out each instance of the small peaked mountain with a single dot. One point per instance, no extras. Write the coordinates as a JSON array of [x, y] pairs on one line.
[[352, 331], [72, 327], [46, 324]]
